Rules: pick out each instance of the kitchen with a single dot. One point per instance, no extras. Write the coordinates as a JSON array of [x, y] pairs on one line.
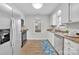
[[65, 35], [56, 23]]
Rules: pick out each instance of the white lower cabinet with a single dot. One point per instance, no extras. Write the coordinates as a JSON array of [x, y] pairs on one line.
[[70, 47], [51, 38]]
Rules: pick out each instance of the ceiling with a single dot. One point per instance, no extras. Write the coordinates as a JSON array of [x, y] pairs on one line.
[[27, 9]]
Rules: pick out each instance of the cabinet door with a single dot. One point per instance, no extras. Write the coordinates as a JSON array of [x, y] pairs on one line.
[[74, 12], [66, 47], [64, 13], [51, 38], [70, 47]]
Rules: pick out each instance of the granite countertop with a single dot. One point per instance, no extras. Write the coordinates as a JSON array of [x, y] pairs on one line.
[[74, 38]]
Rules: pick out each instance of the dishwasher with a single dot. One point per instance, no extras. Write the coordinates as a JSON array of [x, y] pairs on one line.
[[59, 44]]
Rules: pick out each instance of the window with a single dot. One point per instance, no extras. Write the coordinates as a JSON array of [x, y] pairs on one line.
[[59, 17]]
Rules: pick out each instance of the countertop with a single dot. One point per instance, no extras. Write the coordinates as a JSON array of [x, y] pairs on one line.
[[72, 38], [75, 39], [24, 30]]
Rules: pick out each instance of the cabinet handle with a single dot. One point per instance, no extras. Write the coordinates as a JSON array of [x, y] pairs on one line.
[[69, 13], [12, 45]]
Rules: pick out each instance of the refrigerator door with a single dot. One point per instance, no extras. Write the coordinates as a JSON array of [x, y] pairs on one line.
[[16, 36]]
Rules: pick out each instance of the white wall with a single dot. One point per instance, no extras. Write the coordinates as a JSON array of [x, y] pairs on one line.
[[4, 22], [31, 34]]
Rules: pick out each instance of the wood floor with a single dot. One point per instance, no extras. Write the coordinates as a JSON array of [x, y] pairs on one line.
[[32, 47]]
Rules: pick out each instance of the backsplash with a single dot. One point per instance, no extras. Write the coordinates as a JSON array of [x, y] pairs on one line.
[[73, 28]]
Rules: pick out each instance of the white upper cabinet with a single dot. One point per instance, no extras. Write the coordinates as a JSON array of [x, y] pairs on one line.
[[70, 12], [74, 12], [5, 16], [61, 15], [53, 19], [64, 13]]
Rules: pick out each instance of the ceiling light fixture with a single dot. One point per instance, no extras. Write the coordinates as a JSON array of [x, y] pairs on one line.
[[37, 5]]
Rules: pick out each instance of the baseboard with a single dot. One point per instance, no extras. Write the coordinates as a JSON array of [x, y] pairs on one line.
[[36, 39]]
